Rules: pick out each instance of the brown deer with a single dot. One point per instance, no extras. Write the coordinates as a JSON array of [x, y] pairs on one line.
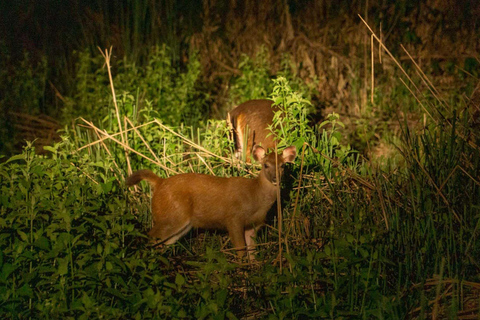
[[238, 205], [249, 121]]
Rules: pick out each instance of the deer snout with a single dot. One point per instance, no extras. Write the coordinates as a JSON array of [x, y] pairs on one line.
[[276, 179]]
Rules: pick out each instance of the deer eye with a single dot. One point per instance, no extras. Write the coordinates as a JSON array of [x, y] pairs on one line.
[[266, 166]]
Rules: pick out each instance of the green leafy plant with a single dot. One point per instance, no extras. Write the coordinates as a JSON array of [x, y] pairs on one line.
[[254, 81], [160, 85]]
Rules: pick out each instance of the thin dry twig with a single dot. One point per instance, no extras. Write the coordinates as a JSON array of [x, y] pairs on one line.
[[373, 70], [103, 132], [147, 145], [129, 167], [192, 144], [351, 173], [97, 133], [279, 213], [391, 56], [86, 174], [425, 79], [113, 135], [445, 200], [205, 163], [382, 202], [298, 191], [107, 55], [418, 100], [469, 141]]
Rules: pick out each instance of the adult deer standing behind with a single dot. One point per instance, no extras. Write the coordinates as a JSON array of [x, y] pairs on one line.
[[238, 205], [249, 121]]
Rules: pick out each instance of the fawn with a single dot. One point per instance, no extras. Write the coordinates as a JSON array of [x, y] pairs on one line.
[[238, 205], [249, 121]]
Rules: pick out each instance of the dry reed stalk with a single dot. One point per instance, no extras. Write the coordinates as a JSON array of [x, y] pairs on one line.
[[41, 129], [352, 174], [435, 281], [107, 55], [393, 58], [184, 155], [205, 163], [474, 180], [325, 196], [435, 303], [141, 138], [135, 128], [86, 174], [425, 79], [191, 143], [106, 134], [439, 192], [113, 135], [418, 100], [382, 202], [468, 175], [379, 46], [365, 183], [469, 141], [279, 213], [469, 311], [129, 167], [372, 89], [104, 145], [436, 95], [298, 192]]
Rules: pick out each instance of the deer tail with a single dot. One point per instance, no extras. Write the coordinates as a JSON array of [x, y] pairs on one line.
[[140, 175]]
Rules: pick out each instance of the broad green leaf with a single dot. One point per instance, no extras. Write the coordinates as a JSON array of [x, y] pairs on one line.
[[25, 290], [16, 157], [42, 243], [179, 280], [7, 269], [50, 148], [87, 301], [62, 266], [22, 235]]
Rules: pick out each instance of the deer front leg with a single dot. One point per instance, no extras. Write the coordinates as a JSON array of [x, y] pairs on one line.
[[250, 241], [249, 237], [237, 236]]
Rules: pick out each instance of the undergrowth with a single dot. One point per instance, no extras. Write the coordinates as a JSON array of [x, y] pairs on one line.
[[358, 242], [357, 238], [160, 85]]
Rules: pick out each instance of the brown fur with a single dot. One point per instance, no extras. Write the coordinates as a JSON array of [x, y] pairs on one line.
[[238, 205], [253, 116]]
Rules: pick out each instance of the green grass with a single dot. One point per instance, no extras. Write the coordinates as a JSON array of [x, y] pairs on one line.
[[358, 241], [361, 237]]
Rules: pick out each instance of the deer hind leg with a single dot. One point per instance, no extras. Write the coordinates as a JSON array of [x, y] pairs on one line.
[[236, 134], [239, 143], [169, 226]]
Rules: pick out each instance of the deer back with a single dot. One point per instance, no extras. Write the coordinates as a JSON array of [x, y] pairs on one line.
[[249, 123]]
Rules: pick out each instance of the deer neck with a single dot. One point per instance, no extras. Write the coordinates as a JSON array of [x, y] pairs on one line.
[[268, 190]]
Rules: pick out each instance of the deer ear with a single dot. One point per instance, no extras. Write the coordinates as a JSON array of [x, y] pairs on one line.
[[258, 153], [289, 154]]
